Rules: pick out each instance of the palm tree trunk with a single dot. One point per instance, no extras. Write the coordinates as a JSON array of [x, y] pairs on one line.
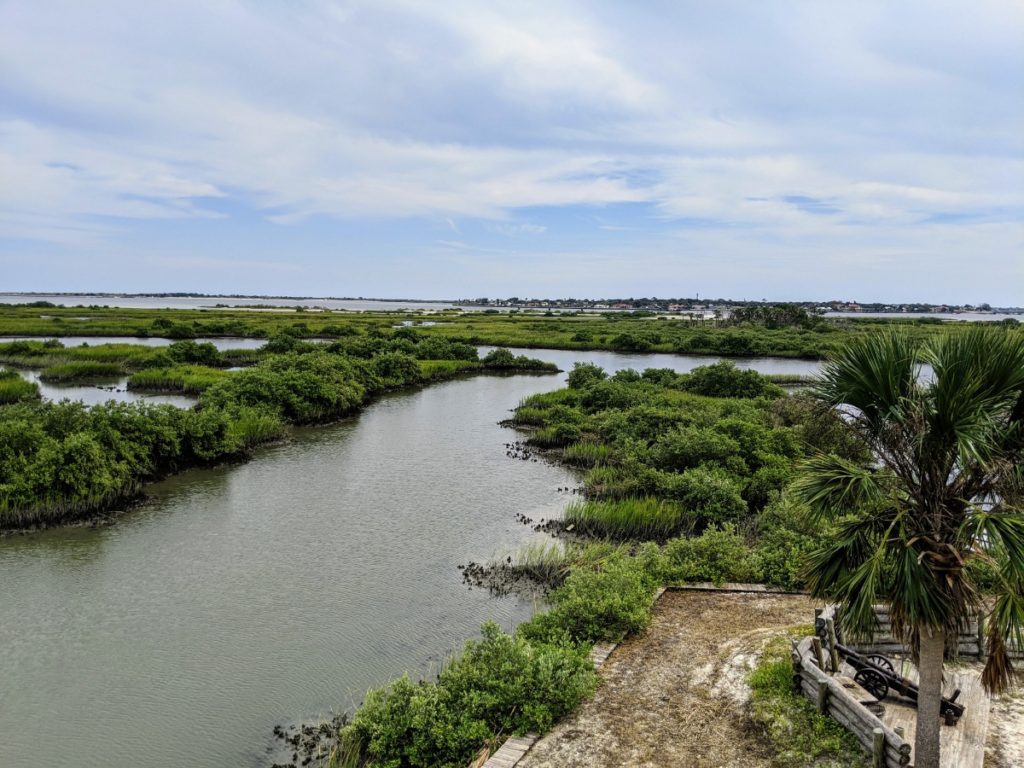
[[929, 698]]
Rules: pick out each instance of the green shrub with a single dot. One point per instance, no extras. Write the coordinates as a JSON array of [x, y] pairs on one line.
[[596, 605], [500, 684], [583, 375], [718, 555], [712, 496]]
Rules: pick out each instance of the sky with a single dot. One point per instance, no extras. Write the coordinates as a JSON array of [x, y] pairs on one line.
[[856, 150]]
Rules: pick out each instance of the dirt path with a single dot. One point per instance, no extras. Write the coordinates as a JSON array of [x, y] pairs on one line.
[[675, 695]]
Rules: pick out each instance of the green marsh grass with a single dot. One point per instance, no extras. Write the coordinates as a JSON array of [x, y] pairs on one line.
[[13, 388], [587, 454], [187, 379], [433, 370], [81, 370], [633, 519]]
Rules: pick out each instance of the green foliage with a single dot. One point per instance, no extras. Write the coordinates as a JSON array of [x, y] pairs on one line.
[[800, 736], [14, 389], [718, 555], [501, 684], [78, 371], [594, 605], [583, 375], [187, 379], [197, 354], [644, 518], [724, 379], [503, 360]]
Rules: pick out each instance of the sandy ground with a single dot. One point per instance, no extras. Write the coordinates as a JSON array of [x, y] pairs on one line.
[[675, 695], [1004, 747]]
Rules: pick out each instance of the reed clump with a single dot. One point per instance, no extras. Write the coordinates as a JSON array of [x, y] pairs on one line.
[[633, 519], [587, 454], [81, 370], [186, 379], [14, 389]]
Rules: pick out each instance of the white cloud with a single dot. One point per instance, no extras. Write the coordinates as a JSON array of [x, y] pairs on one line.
[[777, 124]]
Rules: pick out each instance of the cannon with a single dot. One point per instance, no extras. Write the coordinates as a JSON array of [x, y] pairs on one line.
[[877, 675]]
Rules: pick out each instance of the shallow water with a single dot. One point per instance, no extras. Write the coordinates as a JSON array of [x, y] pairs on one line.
[[99, 392], [240, 597], [225, 342]]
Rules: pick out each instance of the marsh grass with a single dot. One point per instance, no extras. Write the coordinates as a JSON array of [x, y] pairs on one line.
[[587, 454], [187, 379], [434, 370], [632, 519], [543, 562], [81, 370], [13, 388]]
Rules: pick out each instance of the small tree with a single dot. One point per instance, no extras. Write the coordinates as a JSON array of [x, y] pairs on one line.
[[941, 501]]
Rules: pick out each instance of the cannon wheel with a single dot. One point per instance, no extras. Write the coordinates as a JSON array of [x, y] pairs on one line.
[[880, 661], [872, 682]]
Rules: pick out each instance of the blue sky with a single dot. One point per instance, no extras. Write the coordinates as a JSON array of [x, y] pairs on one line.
[[784, 150]]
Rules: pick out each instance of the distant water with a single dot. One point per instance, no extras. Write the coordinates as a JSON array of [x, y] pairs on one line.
[[221, 343], [208, 302], [971, 317]]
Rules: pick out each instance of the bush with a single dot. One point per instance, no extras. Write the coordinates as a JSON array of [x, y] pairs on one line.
[[583, 375], [592, 606], [724, 379], [718, 555], [712, 496], [500, 684]]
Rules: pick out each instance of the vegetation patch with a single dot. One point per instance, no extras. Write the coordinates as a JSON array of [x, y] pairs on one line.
[[13, 388], [81, 371], [800, 737], [186, 379]]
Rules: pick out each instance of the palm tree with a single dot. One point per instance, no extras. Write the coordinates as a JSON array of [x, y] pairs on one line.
[[933, 523]]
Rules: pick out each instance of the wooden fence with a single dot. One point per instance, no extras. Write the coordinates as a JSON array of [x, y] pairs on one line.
[[836, 697], [970, 641]]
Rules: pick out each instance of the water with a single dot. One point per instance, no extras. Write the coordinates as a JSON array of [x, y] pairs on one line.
[[221, 343], [95, 393], [237, 598], [971, 317], [616, 361], [198, 302]]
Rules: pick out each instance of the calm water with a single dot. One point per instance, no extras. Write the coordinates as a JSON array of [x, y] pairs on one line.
[[190, 302], [225, 342], [93, 393], [278, 590]]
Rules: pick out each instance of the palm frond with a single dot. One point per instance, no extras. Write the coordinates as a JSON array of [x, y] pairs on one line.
[[875, 375], [1005, 628], [831, 485], [978, 381], [1000, 533]]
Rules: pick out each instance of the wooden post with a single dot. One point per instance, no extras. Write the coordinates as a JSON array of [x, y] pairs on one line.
[[878, 747], [819, 654], [822, 697], [797, 666], [981, 635], [830, 626]]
